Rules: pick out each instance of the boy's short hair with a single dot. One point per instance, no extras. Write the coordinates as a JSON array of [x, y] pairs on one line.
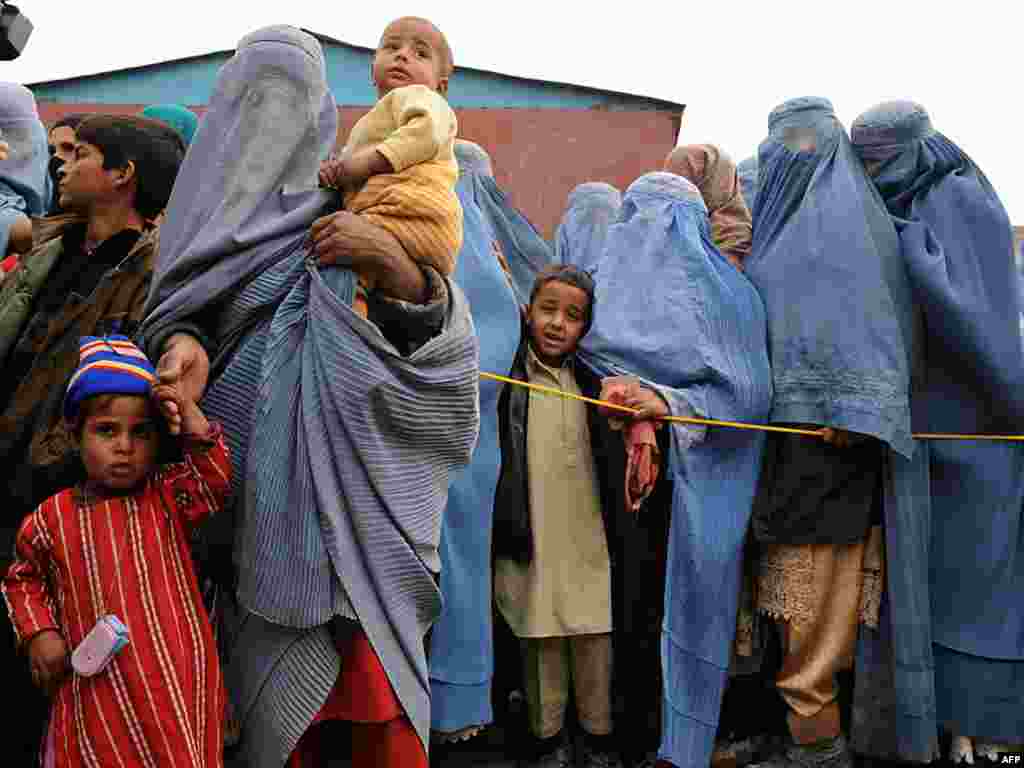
[[71, 120], [570, 275], [155, 148]]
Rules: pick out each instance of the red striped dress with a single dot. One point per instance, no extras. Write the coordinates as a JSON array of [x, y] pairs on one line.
[[161, 700]]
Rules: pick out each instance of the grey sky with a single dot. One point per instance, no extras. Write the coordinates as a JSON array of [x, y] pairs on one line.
[[729, 62]]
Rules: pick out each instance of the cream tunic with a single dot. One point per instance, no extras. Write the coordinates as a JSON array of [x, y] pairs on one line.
[[566, 588]]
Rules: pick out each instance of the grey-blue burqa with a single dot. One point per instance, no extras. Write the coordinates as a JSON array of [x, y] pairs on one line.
[[591, 209], [747, 173], [342, 447], [25, 187], [845, 341], [674, 312], [525, 251], [461, 643], [958, 245]]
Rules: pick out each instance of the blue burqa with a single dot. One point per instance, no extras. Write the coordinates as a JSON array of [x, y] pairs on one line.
[[591, 210], [747, 172], [25, 187], [461, 643], [844, 339], [342, 446], [526, 252], [958, 245], [671, 310]]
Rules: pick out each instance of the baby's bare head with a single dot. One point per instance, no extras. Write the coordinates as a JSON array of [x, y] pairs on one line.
[[412, 51]]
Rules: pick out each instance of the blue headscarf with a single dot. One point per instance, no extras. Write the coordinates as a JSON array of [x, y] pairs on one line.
[[675, 313], [826, 261], [461, 645], [525, 250], [25, 186], [747, 171], [592, 209], [182, 119], [958, 245]]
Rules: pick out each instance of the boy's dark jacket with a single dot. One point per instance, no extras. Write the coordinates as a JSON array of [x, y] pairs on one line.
[[513, 535]]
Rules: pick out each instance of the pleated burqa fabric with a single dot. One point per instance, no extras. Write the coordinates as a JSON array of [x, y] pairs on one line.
[[523, 247], [958, 244], [747, 173], [461, 643], [846, 351], [674, 312], [345, 447], [25, 186]]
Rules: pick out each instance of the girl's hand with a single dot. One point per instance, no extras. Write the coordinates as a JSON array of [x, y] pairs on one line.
[[191, 419], [48, 660], [185, 366]]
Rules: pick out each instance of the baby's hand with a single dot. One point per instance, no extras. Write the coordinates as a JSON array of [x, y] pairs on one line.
[[48, 659], [5, 150], [172, 405], [332, 173]]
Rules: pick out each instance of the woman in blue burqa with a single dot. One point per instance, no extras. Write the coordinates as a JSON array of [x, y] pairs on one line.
[[461, 642], [590, 211], [25, 186], [526, 253], [344, 432], [689, 330], [958, 245], [844, 339]]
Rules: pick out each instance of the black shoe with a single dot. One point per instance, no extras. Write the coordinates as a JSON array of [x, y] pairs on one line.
[[831, 753]]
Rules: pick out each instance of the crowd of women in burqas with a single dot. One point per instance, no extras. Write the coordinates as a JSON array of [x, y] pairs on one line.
[[435, 557]]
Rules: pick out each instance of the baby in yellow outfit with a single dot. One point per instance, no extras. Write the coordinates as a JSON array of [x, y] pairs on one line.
[[398, 168]]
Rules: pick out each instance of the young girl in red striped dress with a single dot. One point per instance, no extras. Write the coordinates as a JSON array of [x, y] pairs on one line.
[[102, 594]]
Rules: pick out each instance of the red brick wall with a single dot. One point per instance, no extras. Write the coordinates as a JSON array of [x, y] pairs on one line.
[[539, 154]]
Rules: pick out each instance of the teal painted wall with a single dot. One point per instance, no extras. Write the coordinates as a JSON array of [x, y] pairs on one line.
[[348, 71]]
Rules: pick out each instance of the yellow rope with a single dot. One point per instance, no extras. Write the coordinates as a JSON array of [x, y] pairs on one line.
[[731, 424], [633, 411]]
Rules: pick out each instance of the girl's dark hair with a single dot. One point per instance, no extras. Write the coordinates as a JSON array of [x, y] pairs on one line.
[[570, 275], [155, 148]]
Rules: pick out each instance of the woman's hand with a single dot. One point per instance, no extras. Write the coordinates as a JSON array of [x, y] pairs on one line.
[[347, 240], [629, 392], [48, 660], [185, 366], [839, 438]]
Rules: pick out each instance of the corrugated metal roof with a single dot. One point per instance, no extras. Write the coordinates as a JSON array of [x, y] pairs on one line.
[[654, 103]]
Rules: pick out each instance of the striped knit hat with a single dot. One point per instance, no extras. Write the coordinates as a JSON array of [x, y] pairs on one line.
[[109, 365]]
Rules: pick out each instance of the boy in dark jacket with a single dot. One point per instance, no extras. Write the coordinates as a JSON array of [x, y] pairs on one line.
[[552, 571]]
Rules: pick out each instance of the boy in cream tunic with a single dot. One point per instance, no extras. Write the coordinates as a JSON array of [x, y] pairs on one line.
[[557, 600]]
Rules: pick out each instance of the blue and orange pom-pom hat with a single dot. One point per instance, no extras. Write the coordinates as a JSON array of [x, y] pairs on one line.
[[107, 365]]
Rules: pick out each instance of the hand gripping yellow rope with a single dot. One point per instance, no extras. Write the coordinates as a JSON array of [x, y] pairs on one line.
[[731, 424]]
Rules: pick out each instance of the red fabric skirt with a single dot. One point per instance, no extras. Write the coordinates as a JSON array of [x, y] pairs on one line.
[[362, 695]]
